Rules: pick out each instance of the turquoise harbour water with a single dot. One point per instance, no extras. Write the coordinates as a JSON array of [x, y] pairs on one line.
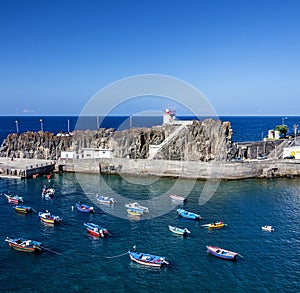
[[270, 261]]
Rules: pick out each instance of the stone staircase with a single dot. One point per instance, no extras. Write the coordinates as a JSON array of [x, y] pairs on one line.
[[278, 151], [167, 141]]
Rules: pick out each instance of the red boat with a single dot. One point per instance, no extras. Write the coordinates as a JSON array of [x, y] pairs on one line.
[[96, 230], [14, 198]]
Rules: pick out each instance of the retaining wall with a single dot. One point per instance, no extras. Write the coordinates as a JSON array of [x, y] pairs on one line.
[[185, 169]]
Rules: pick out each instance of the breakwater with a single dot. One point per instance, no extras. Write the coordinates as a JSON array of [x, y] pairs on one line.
[[185, 169], [198, 149]]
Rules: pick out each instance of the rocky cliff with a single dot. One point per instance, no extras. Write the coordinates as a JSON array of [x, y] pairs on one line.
[[201, 140]]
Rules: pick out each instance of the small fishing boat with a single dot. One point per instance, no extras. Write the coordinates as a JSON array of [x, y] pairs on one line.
[[221, 253], [96, 230], [24, 245], [177, 197], [214, 225], [188, 215], [267, 228], [84, 208], [23, 209], [14, 198], [134, 213], [48, 193], [179, 231], [46, 217], [147, 259], [134, 206], [104, 199]]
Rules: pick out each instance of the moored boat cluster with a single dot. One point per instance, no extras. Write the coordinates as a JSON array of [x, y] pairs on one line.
[[134, 209]]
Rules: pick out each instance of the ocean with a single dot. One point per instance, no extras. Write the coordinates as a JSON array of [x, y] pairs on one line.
[[245, 128], [268, 261]]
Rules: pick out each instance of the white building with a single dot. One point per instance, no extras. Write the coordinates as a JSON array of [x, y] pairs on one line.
[[292, 151], [93, 153], [169, 116], [66, 155], [273, 134]]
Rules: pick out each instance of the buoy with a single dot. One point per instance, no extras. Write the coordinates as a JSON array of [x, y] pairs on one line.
[[72, 208]]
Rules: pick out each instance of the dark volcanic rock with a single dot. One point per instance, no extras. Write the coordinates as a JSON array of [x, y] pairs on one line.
[[201, 140]]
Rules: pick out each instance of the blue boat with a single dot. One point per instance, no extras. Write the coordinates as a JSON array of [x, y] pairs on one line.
[[23, 209], [104, 199], [24, 245], [147, 259], [188, 215], [84, 208]]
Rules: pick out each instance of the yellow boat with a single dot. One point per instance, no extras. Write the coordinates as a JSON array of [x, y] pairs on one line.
[[134, 213], [214, 225]]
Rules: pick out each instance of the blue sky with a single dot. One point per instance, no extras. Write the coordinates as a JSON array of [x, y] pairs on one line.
[[242, 55]]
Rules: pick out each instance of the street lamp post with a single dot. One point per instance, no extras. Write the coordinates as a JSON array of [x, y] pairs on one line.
[[283, 118], [130, 121], [17, 126], [42, 129], [295, 133]]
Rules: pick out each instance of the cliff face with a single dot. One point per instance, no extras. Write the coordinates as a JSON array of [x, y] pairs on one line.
[[201, 140]]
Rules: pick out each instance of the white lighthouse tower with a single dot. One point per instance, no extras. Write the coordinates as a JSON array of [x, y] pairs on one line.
[[169, 116]]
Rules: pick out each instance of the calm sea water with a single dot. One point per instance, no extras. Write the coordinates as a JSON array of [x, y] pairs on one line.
[[270, 261]]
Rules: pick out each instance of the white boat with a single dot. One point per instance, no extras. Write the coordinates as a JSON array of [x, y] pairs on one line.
[[48, 192], [134, 206], [105, 199], [179, 231], [177, 197], [267, 228]]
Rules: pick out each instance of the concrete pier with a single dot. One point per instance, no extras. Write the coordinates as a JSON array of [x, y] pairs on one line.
[[185, 169], [24, 168]]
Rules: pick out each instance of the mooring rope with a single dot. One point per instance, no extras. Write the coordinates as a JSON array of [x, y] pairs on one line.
[[119, 255]]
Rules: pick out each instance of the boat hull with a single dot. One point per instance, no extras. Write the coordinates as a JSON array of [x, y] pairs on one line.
[[267, 228], [221, 253], [179, 231], [85, 208], [48, 221], [23, 210], [136, 207], [141, 258], [33, 247], [96, 230], [15, 199], [216, 226], [135, 213], [188, 215], [105, 199], [48, 218], [177, 197]]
